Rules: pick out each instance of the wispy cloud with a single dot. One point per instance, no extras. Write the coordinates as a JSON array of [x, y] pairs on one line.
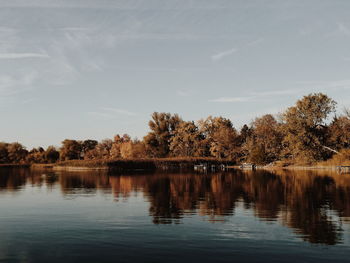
[[119, 111], [75, 29], [22, 55], [255, 95], [343, 29], [255, 42], [274, 92], [232, 99], [173, 69], [101, 115], [13, 84], [326, 85], [223, 54], [184, 93], [108, 113]]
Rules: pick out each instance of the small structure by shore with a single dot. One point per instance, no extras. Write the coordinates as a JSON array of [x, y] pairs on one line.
[[343, 169], [248, 166]]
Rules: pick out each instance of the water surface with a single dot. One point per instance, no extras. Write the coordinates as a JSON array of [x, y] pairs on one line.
[[181, 217]]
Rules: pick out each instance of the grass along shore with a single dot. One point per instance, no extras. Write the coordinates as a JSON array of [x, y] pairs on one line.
[[122, 165], [132, 164]]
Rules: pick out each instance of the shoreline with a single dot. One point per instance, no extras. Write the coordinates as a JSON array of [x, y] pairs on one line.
[[124, 165], [155, 164]]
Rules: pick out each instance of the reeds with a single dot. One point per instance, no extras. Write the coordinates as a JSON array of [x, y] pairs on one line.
[[340, 159], [144, 164]]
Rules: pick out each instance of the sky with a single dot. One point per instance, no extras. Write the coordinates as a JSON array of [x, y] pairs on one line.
[[93, 68]]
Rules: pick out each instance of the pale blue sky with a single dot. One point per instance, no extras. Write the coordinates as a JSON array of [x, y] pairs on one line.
[[93, 68]]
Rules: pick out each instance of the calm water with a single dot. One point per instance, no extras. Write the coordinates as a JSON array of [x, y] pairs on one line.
[[224, 217]]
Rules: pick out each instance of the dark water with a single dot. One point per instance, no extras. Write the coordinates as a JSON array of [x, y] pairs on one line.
[[224, 217]]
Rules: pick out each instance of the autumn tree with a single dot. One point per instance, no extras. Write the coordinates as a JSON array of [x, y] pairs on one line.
[[265, 141], [88, 145], [36, 155], [118, 142], [244, 134], [186, 140], [339, 133], [220, 137], [16, 152], [70, 150], [138, 149], [4, 154], [163, 126], [126, 150], [305, 127], [347, 112], [51, 154], [104, 148]]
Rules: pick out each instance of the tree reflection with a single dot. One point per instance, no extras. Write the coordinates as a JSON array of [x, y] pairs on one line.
[[314, 205]]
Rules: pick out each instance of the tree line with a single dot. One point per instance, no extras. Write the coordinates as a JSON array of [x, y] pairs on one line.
[[308, 132]]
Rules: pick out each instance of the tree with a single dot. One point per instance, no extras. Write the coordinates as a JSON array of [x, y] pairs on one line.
[[36, 155], [117, 145], [88, 145], [347, 112], [220, 138], [4, 154], [224, 144], [51, 154], [126, 150], [163, 126], [257, 154], [339, 133], [244, 134], [70, 150], [305, 127], [266, 137], [186, 140], [104, 148], [138, 149], [16, 152]]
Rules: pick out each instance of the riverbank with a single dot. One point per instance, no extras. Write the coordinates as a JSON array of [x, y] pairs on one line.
[[330, 168], [127, 165], [122, 165], [11, 165]]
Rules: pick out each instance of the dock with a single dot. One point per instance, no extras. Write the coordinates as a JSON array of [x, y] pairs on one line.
[[248, 166], [343, 169], [205, 167]]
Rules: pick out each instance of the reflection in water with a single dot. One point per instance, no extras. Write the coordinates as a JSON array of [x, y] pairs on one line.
[[314, 205]]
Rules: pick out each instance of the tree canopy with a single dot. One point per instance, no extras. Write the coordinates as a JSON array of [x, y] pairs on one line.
[[307, 132]]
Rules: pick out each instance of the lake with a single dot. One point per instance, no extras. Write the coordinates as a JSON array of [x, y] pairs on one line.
[[238, 216]]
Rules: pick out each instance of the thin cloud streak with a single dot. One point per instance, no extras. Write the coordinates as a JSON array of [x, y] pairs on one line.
[[13, 84], [223, 54], [108, 113], [22, 55], [184, 93], [255, 42], [254, 95], [101, 115], [275, 92], [343, 29], [326, 85], [232, 99], [119, 111]]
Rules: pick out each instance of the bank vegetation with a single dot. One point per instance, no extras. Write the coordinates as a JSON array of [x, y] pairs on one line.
[[309, 132]]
